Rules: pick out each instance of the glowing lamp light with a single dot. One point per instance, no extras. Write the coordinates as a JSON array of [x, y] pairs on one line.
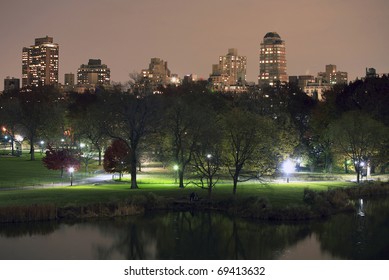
[[71, 170], [175, 168], [209, 156], [288, 167]]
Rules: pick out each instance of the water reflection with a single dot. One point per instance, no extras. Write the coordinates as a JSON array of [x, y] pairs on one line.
[[185, 235], [356, 237]]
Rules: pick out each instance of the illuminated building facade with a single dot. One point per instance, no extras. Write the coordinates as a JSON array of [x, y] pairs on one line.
[[40, 63], [272, 60], [158, 73], [230, 71], [332, 76], [93, 73]]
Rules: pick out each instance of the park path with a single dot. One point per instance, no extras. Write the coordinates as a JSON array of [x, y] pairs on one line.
[[96, 179]]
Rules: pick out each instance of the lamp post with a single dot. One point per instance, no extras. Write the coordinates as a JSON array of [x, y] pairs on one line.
[[71, 170], [42, 143], [209, 157], [175, 168], [288, 168]]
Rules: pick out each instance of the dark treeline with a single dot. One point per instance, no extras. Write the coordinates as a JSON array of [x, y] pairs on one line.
[[208, 134]]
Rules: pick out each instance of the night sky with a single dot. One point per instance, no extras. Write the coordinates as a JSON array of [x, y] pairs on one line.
[[190, 35]]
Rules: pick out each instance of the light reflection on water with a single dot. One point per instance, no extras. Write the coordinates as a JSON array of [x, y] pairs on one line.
[[184, 235]]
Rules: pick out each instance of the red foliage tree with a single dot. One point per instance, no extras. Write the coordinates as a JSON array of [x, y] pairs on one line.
[[117, 158], [60, 159]]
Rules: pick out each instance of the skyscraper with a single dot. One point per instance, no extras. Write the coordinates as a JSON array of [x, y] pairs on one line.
[[40, 63], [272, 60], [94, 73]]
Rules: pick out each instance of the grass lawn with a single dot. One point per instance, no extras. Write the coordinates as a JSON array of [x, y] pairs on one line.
[[279, 194], [21, 171], [16, 172]]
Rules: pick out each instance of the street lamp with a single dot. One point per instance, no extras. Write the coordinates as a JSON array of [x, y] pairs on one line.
[[209, 157], [71, 170], [175, 168], [288, 168], [42, 142]]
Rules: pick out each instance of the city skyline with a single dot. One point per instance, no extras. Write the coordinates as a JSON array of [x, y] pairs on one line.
[[126, 34]]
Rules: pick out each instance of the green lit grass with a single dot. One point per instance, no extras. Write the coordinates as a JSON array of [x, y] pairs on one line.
[[21, 171], [278, 194], [17, 172]]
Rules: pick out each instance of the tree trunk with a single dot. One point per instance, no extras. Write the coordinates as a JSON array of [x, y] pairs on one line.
[[134, 184], [99, 157], [181, 179], [12, 146], [210, 188], [358, 169], [235, 179], [345, 166], [32, 150]]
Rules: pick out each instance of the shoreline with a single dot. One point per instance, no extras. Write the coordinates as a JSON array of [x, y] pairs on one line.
[[316, 205]]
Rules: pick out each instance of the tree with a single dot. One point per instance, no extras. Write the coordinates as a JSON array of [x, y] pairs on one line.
[[207, 155], [248, 141], [130, 119], [290, 109], [117, 158], [60, 159], [87, 120], [360, 138], [206, 167], [187, 117], [10, 116], [41, 113]]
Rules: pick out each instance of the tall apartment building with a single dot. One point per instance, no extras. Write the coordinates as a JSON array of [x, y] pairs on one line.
[[93, 73], [231, 70], [332, 76], [272, 60], [158, 73], [40, 63]]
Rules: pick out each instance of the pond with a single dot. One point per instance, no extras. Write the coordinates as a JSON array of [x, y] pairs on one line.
[[209, 235]]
